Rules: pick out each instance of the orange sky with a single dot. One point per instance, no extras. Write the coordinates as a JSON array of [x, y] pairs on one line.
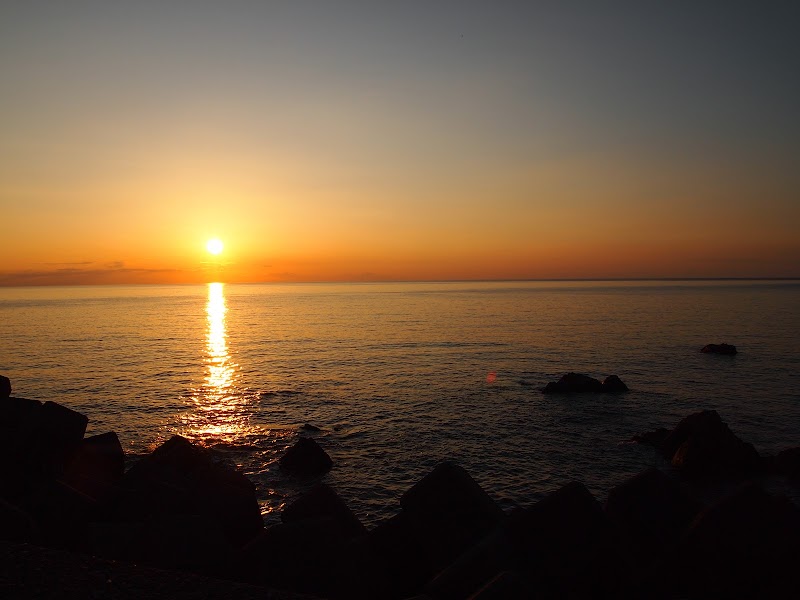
[[371, 144]]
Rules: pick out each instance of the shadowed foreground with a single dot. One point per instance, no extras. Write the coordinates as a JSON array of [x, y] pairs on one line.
[[178, 516]]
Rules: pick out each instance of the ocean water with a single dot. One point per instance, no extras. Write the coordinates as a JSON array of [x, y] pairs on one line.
[[401, 376]]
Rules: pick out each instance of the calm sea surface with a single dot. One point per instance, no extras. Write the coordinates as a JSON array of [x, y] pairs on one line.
[[397, 376]]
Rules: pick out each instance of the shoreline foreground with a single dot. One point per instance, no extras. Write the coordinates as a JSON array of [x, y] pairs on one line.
[[77, 521]]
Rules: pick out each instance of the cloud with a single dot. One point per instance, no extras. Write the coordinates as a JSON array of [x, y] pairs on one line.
[[113, 272]]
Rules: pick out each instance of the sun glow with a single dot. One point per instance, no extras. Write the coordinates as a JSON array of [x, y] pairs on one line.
[[214, 246]]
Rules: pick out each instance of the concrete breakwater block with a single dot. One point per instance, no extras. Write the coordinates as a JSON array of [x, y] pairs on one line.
[[181, 478]]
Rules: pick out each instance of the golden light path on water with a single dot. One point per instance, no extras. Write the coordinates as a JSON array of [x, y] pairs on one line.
[[219, 413]]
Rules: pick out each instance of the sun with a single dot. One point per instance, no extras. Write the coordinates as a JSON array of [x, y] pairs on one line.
[[214, 246]]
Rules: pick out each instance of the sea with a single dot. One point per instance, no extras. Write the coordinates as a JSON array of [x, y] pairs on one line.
[[401, 376]]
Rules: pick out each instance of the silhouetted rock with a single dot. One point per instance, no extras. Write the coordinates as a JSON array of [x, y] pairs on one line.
[[727, 349], [449, 512], [505, 586], [395, 545], [15, 524], [476, 566], [702, 444], [5, 387], [787, 462], [182, 479], [745, 546], [305, 457], [573, 383], [309, 427], [322, 501], [567, 547], [576, 383], [299, 556], [614, 385], [96, 466], [652, 510]]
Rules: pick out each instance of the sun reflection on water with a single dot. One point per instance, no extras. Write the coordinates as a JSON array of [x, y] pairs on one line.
[[220, 407]]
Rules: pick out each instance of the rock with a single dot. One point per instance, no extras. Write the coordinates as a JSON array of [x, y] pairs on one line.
[[787, 462], [306, 457], [745, 546], [322, 501], [653, 511], [614, 385], [576, 383], [567, 547], [96, 466], [703, 445], [299, 556], [449, 512], [573, 383], [727, 349], [179, 478], [506, 586], [309, 427], [15, 524], [394, 543], [5, 387], [60, 425], [475, 567]]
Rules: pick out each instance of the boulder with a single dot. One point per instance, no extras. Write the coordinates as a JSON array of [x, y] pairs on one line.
[[309, 427], [96, 466], [613, 385], [305, 457], [179, 478], [322, 501], [653, 511], [16, 525], [567, 547], [400, 554], [5, 387], [449, 512], [787, 462], [573, 383], [745, 546], [727, 349], [703, 445], [299, 556]]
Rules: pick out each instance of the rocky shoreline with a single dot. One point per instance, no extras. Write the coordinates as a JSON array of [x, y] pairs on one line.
[[72, 506]]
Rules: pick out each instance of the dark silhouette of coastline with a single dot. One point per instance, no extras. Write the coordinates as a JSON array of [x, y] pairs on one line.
[[76, 523]]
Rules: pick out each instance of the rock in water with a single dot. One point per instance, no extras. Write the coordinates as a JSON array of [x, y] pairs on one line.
[[614, 385], [728, 349], [702, 444], [5, 386], [306, 457]]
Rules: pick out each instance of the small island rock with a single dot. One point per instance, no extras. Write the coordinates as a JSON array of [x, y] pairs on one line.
[[306, 457], [726, 349], [5, 387]]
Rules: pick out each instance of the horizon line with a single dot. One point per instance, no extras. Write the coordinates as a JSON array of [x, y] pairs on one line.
[[417, 281]]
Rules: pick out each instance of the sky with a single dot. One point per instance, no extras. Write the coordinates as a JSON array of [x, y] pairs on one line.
[[359, 141]]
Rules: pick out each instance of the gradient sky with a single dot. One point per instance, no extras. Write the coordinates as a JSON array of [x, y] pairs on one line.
[[403, 140]]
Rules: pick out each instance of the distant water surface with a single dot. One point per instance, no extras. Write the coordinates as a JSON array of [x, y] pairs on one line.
[[397, 376]]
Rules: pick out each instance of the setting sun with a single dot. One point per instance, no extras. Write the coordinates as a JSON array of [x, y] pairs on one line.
[[214, 246]]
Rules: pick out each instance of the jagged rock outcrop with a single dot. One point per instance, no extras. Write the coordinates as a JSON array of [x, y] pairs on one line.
[[577, 383]]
